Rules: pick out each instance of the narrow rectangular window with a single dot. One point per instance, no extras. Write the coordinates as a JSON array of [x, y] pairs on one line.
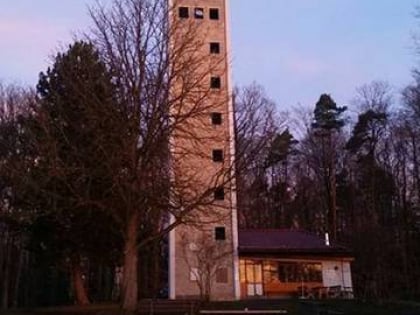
[[216, 118], [219, 193], [184, 13], [199, 13], [220, 233], [222, 275], [214, 14], [217, 155], [214, 48], [215, 83], [194, 275]]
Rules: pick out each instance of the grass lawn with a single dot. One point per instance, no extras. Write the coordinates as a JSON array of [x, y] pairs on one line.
[[365, 308], [94, 309], [315, 307], [294, 307]]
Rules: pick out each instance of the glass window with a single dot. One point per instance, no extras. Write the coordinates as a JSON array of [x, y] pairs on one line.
[[194, 275], [250, 272], [220, 233], [219, 193], [287, 272], [258, 273], [298, 272], [242, 272], [271, 273], [199, 13], [216, 118], [215, 48], [222, 275], [183, 12], [217, 155], [215, 82], [214, 14]]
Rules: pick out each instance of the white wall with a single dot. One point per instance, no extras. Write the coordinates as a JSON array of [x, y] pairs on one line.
[[336, 273]]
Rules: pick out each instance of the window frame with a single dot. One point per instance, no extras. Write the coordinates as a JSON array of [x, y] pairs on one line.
[[198, 16], [182, 10], [219, 193], [222, 275], [214, 14], [194, 274], [216, 118], [215, 48], [218, 155], [220, 233], [215, 82]]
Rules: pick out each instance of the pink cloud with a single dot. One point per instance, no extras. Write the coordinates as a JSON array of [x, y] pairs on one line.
[[305, 66]]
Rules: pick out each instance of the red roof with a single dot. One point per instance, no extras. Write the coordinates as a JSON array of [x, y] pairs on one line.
[[286, 242]]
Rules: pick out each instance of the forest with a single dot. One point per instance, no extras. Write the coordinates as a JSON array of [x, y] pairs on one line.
[[85, 176]]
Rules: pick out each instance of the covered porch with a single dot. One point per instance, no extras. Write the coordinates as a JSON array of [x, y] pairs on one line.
[[286, 263]]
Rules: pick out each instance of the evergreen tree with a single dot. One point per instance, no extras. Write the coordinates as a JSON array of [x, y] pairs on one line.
[[69, 185], [328, 120]]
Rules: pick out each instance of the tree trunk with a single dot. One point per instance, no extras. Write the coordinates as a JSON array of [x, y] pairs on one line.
[[19, 267], [156, 274], [130, 273], [333, 196], [78, 283], [6, 273]]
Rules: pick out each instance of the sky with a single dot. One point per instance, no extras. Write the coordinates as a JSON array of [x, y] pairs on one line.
[[295, 49]]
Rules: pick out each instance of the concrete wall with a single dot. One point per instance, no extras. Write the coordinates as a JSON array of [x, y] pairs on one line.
[[192, 148]]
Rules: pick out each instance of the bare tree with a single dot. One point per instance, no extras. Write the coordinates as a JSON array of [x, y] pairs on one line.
[[163, 91], [376, 96], [207, 260], [257, 123]]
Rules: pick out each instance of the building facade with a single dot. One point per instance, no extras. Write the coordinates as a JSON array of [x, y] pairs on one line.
[[286, 263], [203, 255], [208, 257]]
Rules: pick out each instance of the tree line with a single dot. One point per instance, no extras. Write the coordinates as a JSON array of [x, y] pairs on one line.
[[86, 177]]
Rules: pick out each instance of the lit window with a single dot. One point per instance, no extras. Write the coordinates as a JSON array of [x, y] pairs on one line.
[[199, 13], [215, 83], [214, 48], [214, 14], [184, 13]]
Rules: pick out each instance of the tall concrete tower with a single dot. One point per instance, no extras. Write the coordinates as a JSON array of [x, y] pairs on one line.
[[203, 255]]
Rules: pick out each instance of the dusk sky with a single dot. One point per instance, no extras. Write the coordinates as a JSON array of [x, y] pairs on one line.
[[296, 49]]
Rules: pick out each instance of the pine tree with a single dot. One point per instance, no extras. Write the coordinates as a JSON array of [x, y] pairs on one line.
[[327, 121], [73, 129]]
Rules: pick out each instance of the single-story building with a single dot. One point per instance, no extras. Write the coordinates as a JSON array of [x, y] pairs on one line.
[[280, 263]]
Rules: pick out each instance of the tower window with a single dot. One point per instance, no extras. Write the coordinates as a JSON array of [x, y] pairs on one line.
[[184, 13], [199, 13], [216, 118], [214, 48], [215, 83], [220, 233], [222, 275], [214, 14], [219, 193], [217, 155], [194, 275]]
